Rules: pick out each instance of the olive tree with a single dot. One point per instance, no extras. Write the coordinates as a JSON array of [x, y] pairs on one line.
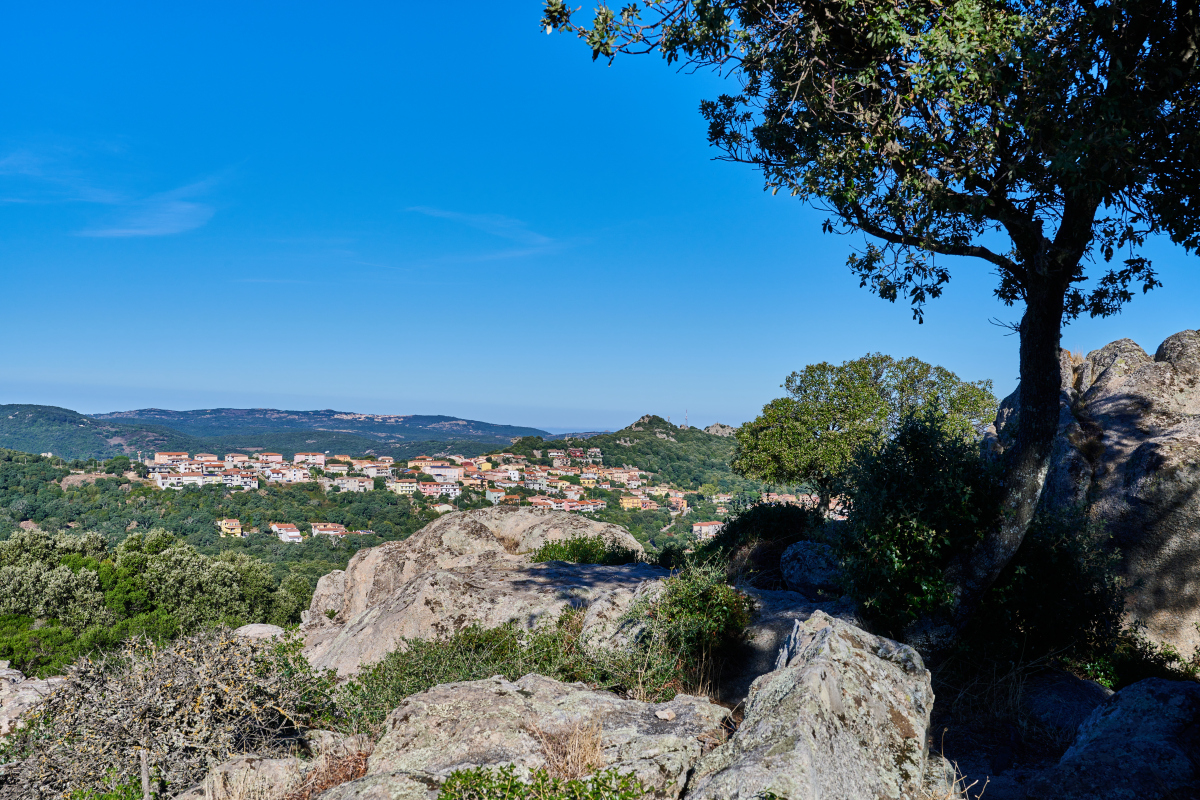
[[1045, 140]]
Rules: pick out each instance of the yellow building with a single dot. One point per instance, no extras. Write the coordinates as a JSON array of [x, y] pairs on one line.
[[631, 503], [588, 482], [230, 527]]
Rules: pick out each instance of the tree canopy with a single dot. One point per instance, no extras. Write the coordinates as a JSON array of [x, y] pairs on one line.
[[831, 412], [1043, 138]]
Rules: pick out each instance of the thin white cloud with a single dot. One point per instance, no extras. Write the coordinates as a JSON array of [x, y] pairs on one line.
[[495, 224], [45, 175], [161, 214]]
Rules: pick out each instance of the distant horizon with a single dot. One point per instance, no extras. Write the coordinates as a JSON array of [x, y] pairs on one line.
[[333, 214]]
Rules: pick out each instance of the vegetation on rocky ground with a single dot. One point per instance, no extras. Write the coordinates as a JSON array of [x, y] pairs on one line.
[[191, 703], [687, 632], [503, 784], [584, 550]]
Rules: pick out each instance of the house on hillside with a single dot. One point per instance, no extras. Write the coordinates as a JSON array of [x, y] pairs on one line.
[[356, 484], [169, 458], [493, 496], [287, 532], [329, 529], [403, 486], [707, 530], [314, 459], [230, 527]]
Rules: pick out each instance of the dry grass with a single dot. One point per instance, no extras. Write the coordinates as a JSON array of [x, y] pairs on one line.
[[571, 752], [342, 764]]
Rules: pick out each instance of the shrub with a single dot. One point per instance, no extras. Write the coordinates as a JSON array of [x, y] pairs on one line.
[[584, 550], [752, 542], [192, 703], [919, 501], [503, 784], [1059, 595]]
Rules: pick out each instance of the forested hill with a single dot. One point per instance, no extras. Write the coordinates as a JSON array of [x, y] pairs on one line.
[[383, 427], [66, 433], [687, 457]]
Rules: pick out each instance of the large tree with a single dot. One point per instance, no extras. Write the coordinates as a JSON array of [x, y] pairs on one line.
[[832, 411], [1039, 138]]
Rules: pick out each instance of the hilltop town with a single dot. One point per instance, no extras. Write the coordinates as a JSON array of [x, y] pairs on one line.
[[571, 479]]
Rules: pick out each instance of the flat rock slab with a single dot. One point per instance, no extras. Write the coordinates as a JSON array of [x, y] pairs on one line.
[[495, 722]]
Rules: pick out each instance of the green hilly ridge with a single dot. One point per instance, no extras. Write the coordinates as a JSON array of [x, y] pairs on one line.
[[71, 435], [686, 457]]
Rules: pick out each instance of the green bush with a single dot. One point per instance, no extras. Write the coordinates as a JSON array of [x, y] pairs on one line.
[[917, 502], [584, 550], [65, 596], [698, 618], [503, 784], [1060, 594]]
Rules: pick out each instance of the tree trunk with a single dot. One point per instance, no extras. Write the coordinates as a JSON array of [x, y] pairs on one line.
[[1028, 461]]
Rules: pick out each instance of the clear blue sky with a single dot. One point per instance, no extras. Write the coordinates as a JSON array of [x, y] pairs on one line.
[[395, 208]]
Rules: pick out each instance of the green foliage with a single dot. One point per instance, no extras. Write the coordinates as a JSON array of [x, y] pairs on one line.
[[698, 616], [68, 595], [126, 790], [584, 550], [685, 457], [482, 783], [1061, 594], [922, 499], [813, 435]]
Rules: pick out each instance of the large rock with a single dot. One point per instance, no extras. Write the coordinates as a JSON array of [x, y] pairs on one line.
[[19, 694], [811, 568], [496, 722], [1128, 449], [1060, 702], [463, 569], [1142, 744], [775, 616], [844, 716], [251, 777]]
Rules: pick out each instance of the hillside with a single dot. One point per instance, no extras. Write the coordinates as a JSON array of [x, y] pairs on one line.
[[71, 435], [380, 427], [686, 457]]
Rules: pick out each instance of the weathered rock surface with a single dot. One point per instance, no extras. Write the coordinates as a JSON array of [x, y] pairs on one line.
[[1142, 744], [1060, 702], [844, 716], [811, 568], [19, 694], [496, 722], [251, 777], [259, 631], [775, 616], [460, 570], [1128, 448]]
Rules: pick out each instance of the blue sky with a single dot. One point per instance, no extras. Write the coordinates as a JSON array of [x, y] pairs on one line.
[[393, 208]]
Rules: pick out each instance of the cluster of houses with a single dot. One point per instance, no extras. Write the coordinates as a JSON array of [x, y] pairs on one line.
[[561, 486]]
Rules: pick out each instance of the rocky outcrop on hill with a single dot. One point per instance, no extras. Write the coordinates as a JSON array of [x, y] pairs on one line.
[[463, 569], [844, 715], [717, 429], [1128, 449]]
